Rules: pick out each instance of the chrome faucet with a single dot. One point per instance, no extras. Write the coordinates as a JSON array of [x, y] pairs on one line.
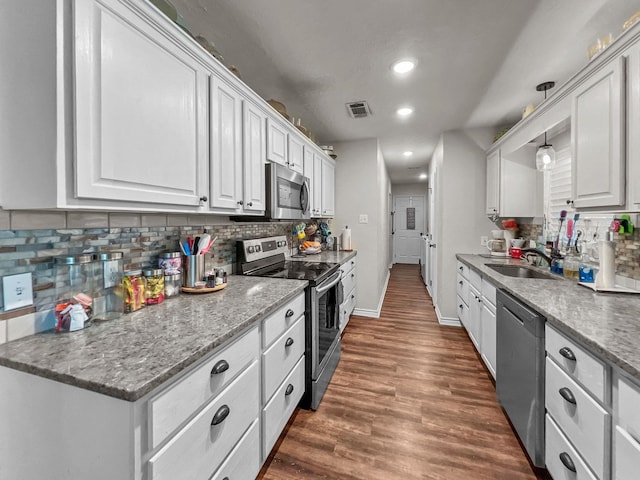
[[549, 259]]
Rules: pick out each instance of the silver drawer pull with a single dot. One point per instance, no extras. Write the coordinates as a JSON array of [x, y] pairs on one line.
[[567, 353], [221, 415], [567, 395], [218, 368], [289, 342], [289, 390], [567, 462], [289, 313]]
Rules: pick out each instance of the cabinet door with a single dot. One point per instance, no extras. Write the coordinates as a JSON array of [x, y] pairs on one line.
[[225, 176], [488, 347], [493, 183], [276, 142], [598, 138], [475, 312], [308, 172], [633, 126], [328, 187], [140, 110], [316, 189], [255, 157], [296, 149]]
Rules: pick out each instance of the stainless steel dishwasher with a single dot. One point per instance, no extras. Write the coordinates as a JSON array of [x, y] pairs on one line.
[[520, 371]]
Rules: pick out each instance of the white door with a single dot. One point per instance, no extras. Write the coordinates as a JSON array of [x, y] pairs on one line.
[[433, 234], [409, 227]]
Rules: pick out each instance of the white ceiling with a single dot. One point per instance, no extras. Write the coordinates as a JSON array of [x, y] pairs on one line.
[[478, 60]]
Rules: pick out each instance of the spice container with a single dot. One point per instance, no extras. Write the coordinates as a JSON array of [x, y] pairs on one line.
[[108, 304], [155, 285], [170, 262], [172, 284], [74, 280], [134, 286]]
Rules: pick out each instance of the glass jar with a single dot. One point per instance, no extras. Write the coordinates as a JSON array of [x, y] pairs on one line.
[[571, 264], [155, 285], [74, 285], [172, 284], [134, 286], [108, 301], [170, 262]]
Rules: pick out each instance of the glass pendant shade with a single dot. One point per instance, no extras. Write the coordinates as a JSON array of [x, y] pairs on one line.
[[545, 156]]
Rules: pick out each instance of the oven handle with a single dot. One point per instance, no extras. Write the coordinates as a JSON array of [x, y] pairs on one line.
[[324, 287]]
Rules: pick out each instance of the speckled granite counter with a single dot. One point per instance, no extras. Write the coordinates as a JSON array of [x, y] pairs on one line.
[[128, 357], [609, 324], [328, 256]]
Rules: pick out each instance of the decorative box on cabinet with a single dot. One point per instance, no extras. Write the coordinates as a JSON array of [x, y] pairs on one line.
[[598, 138]]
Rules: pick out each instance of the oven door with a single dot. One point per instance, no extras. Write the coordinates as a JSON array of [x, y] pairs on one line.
[[287, 193]]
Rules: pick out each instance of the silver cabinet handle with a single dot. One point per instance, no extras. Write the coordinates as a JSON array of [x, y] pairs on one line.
[[289, 390], [240, 202], [221, 415], [203, 198], [567, 395], [219, 367], [289, 342], [567, 353], [567, 462]]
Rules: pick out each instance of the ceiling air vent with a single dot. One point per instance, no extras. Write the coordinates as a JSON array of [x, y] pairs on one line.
[[358, 109]]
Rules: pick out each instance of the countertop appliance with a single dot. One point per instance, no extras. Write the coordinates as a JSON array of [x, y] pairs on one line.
[[266, 257], [520, 371]]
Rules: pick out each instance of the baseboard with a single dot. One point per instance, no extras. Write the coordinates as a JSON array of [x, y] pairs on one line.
[[365, 312], [447, 321], [429, 290]]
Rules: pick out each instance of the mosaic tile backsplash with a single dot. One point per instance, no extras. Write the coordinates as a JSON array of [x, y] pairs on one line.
[[33, 250]]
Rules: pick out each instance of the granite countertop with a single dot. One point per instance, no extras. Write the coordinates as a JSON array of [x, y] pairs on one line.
[[608, 323], [328, 256], [128, 357]]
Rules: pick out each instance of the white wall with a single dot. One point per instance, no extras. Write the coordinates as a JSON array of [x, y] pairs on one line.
[[362, 187], [461, 208]]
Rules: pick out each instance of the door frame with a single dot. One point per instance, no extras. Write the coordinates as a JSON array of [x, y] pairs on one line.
[[393, 220]]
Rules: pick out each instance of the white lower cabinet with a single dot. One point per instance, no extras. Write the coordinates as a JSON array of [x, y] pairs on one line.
[[349, 275], [626, 439], [488, 335], [563, 461], [244, 459], [475, 315]]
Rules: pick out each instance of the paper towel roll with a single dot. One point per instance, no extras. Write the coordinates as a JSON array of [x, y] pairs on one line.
[[606, 277], [346, 238]]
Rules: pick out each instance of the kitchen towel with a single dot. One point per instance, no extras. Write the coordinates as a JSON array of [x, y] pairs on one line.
[[606, 276], [346, 238]]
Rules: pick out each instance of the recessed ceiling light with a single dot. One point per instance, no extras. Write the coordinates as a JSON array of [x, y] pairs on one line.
[[423, 176], [403, 66], [404, 111], [408, 153]]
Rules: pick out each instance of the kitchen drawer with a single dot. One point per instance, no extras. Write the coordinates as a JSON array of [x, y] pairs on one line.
[[282, 319], [280, 358], [626, 456], [463, 288], [277, 412], [346, 309], [170, 408], [585, 369], [463, 270], [349, 281], [197, 450], [489, 293], [347, 266], [557, 449], [244, 460], [628, 407], [463, 313], [585, 423], [475, 279]]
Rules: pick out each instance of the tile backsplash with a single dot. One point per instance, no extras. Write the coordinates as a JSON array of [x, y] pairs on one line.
[[31, 241]]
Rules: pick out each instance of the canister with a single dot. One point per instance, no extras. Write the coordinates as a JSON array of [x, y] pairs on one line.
[[108, 303], [75, 291], [134, 287], [170, 262], [193, 270], [172, 284], [155, 285]]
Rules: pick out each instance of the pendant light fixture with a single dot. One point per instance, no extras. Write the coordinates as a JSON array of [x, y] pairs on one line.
[[546, 155]]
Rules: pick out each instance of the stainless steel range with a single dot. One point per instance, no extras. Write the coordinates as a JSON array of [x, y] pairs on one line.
[[266, 257]]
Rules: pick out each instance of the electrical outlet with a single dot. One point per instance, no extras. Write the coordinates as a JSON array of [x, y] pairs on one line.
[[17, 291], [364, 218], [483, 240]]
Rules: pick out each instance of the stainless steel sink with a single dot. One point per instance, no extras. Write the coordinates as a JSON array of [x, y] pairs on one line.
[[519, 271]]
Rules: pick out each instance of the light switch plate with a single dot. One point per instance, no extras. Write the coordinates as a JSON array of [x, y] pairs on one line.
[[17, 291], [364, 218]]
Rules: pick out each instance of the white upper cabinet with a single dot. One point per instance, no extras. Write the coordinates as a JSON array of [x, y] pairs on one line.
[[277, 142], [328, 187], [493, 183], [225, 175], [140, 110], [633, 127], [296, 154], [317, 186], [598, 138], [255, 157], [308, 172]]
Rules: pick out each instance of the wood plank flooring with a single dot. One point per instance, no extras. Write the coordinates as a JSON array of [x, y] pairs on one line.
[[410, 400]]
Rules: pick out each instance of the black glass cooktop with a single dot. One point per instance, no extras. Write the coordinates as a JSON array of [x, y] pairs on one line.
[[311, 271]]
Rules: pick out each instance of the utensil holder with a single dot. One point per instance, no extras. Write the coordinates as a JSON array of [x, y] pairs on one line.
[[193, 270]]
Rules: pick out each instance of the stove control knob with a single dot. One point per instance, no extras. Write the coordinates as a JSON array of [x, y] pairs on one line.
[[258, 248], [251, 249]]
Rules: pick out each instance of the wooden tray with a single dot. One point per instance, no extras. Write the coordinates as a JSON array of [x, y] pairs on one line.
[[203, 290]]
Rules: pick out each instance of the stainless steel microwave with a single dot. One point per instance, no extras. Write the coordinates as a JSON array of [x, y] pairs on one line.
[[287, 194]]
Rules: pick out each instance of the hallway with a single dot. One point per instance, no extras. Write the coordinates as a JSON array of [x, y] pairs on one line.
[[410, 400]]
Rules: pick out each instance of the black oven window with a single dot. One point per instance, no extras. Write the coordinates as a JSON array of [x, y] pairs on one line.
[[328, 310]]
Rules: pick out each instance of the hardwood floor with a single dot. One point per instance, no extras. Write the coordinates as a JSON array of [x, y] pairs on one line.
[[410, 400]]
